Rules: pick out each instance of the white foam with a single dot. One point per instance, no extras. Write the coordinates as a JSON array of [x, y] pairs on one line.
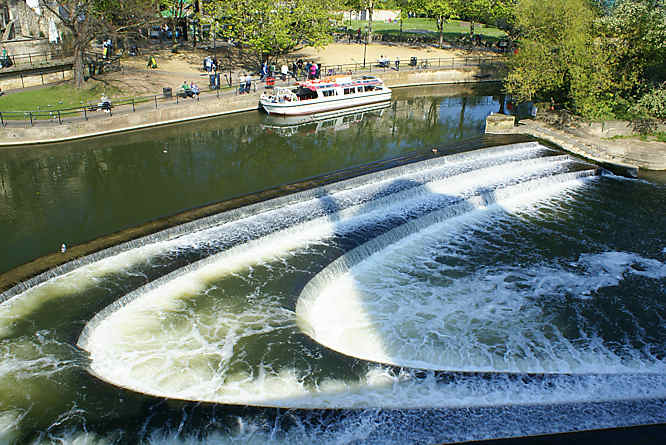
[[418, 313], [9, 426]]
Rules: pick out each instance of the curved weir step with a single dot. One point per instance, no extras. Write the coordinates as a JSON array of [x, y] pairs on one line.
[[193, 316]]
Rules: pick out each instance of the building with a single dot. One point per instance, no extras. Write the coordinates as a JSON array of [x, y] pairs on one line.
[[25, 19]]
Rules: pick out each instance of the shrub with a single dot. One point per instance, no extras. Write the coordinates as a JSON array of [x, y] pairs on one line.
[[653, 103]]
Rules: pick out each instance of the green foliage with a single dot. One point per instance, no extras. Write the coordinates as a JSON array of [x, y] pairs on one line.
[[634, 34], [556, 40], [476, 11], [272, 28], [652, 103], [88, 19], [535, 72], [441, 10], [596, 60]]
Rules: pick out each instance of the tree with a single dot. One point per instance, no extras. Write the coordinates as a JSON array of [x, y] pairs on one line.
[[88, 19], [559, 57], [369, 5], [503, 16], [603, 62], [635, 32], [542, 64], [441, 10], [475, 11], [272, 28]]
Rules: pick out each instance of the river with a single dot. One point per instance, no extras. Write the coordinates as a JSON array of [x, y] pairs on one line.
[[495, 288]]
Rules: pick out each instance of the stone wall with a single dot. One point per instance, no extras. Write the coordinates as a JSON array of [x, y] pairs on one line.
[[27, 46], [35, 79], [28, 23]]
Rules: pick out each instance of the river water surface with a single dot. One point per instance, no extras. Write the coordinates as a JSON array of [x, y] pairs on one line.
[[479, 293]]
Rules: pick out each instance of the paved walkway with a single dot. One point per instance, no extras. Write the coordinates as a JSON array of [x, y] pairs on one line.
[[162, 111]]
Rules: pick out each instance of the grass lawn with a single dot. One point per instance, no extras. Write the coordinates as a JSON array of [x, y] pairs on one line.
[[452, 29], [55, 97]]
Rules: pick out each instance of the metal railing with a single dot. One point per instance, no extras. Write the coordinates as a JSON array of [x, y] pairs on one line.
[[90, 109], [230, 88], [412, 63], [37, 59], [22, 76]]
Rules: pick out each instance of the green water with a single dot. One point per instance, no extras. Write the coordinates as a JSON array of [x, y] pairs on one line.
[[582, 266], [77, 191]]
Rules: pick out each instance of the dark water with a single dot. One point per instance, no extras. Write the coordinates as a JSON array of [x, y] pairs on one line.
[[531, 266], [75, 192]]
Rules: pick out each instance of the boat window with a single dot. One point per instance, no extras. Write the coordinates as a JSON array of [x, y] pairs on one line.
[[328, 93], [305, 94], [360, 89], [369, 87], [350, 90]]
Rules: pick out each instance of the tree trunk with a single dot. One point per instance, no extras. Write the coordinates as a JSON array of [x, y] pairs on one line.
[[440, 28], [79, 63], [370, 11], [471, 28]]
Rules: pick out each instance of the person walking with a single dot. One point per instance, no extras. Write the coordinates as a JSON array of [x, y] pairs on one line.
[[241, 83], [248, 83], [294, 71], [264, 70], [397, 63]]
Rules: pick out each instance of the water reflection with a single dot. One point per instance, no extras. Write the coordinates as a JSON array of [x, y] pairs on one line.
[[315, 123], [74, 192]]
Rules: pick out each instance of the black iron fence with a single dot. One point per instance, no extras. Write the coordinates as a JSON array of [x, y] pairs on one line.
[[411, 63], [114, 105], [225, 85], [36, 60]]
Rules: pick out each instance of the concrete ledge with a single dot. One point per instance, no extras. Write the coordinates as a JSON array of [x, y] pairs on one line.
[[499, 122], [627, 157]]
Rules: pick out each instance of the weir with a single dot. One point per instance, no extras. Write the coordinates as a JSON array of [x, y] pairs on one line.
[[465, 161], [504, 292], [339, 228]]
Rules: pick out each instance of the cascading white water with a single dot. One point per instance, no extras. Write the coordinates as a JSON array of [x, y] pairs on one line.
[[205, 333]]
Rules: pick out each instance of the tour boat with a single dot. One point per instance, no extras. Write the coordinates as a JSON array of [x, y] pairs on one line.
[[317, 96]]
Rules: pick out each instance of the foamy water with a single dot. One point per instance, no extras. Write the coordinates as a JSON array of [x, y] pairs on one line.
[[177, 351], [455, 287]]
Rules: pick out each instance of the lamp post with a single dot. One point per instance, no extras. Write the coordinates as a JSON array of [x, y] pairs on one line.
[[365, 48]]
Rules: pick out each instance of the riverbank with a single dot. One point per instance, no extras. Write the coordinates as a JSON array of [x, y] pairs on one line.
[[630, 154], [147, 114]]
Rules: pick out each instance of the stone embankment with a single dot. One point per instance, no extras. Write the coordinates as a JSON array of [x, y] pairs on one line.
[[591, 141], [210, 105]]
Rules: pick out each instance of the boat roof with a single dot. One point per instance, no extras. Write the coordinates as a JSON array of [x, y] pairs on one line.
[[331, 82]]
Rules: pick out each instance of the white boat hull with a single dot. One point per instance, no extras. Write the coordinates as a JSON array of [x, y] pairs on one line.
[[320, 105]]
